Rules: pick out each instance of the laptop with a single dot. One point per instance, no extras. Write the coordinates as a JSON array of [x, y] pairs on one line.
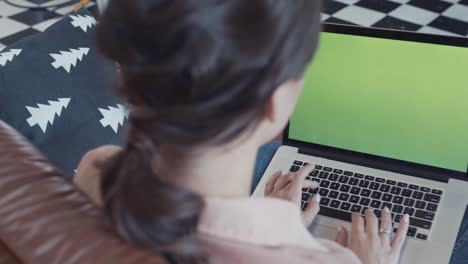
[[384, 116]]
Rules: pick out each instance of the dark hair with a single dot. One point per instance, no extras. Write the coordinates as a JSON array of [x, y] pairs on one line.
[[197, 72]]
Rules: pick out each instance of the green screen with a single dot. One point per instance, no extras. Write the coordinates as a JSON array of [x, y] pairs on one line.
[[396, 99]]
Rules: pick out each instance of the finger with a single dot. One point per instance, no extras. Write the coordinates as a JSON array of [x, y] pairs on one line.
[[342, 236], [372, 224], [283, 181], [310, 184], [270, 186], [386, 225], [312, 209], [300, 176], [400, 236], [357, 226]]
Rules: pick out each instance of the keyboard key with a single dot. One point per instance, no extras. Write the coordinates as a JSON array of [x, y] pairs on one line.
[[314, 173], [425, 189], [303, 205], [348, 173], [354, 199], [355, 190], [380, 180], [391, 182], [375, 204], [402, 184], [432, 198], [397, 218], [334, 213], [385, 188], [369, 178], [335, 186], [333, 177], [409, 202], [318, 167], [420, 223], [308, 178], [397, 200], [305, 164], [376, 195], [323, 192], [387, 197], [294, 168], [345, 206], [335, 204], [420, 205], [374, 186], [356, 208], [414, 187], [324, 201], [431, 207], [407, 193], [409, 211], [388, 205], [417, 195], [395, 190], [305, 197], [421, 236], [323, 175], [344, 197], [345, 188], [438, 192], [365, 193], [378, 213], [333, 194], [316, 180], [324, 184], [425, 215], [364, 201], [397, 209], [299, 163], [328, 169], [412, 231], [343, 179], [313, 191], [353, 181], [364, 184], [359, 175], [338, 171]]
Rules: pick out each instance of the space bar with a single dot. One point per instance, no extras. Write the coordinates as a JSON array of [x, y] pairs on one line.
[[337, 214]]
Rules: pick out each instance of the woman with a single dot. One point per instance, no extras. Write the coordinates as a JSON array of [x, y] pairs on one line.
[[209, 82]]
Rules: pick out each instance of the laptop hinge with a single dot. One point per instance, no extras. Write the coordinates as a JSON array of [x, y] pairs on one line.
[[383, 164]]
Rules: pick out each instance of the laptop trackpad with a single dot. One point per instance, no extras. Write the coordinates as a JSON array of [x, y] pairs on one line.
[[322, 231]]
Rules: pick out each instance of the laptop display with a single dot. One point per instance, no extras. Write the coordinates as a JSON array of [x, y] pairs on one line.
[[390, 98]]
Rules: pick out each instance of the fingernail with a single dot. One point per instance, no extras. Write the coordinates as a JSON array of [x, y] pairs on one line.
[[406, 218], [386, 209], [317, 198], [340, 228]]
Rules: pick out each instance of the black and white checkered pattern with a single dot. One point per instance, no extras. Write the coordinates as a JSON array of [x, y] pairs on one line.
[[17, 23], [446, 17]]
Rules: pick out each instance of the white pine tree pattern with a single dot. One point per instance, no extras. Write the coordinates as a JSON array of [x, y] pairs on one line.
[[114, 117], [67, 59], [83, 22], [44, 114], [8, 56]]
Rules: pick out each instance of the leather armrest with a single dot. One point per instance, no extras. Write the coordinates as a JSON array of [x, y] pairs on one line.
[[45, 219]]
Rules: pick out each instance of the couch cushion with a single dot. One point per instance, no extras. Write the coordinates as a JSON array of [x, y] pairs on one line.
[[56, 90]]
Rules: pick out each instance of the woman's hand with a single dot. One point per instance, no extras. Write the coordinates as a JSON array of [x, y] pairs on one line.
[[374, 245], [289, 187]]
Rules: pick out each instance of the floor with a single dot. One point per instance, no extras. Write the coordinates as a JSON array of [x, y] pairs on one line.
[[445, 17]]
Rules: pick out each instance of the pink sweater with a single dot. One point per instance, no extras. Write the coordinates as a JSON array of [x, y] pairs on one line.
[[262, 230]]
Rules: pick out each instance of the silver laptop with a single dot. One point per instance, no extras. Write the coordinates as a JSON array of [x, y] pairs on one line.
[[384, 116]]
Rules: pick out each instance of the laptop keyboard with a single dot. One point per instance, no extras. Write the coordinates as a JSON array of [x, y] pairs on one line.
[[345, 192]]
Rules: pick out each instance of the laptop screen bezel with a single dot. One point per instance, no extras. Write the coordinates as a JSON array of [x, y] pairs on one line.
[[374, 161]]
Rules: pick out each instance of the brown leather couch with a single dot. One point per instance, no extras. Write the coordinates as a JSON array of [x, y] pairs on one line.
[[45, 219]]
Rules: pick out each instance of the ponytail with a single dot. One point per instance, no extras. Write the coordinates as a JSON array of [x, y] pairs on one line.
[[147, 211]]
